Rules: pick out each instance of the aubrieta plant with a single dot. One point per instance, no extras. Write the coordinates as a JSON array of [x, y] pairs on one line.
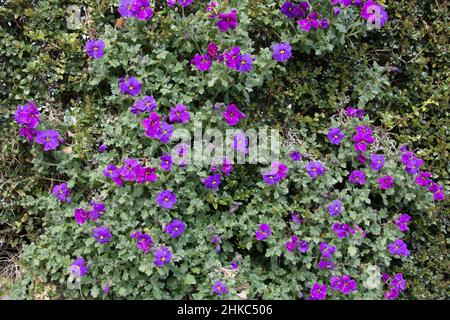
[[160, 226]]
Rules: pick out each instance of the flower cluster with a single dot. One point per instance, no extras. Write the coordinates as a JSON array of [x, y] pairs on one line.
[[61, 192], [144, 241], [233, 58], [139, 9], [82, 216], [344, 284], [277, 172], [396, 285], [28, 117], [130, 171], [293, 243]]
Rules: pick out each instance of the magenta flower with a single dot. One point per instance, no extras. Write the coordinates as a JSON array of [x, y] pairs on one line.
[[144, 242], [141, 9], [61, 192], [213, 50], [152, 125], [374, 13], [277, 172], [102, 234], [233, 57], [175, 228], [130, 85], [292, 243], [81, 216], [402, 222], [179, 114], [27, 115], [263, 232], [95, 48], [398, 282], [79, 267], [202, 62], [162, 256], [49, 138], [327, 250], [130, 169], [318, 292], [357, 177], [227, 167], [385, 182], [227, 21], [219, 288], [166, 199], [423, 179], [112, 172], [344, 284], [354, 113], [146, 174], [309, 23], [282, 51], [232, 115], [392, 294]]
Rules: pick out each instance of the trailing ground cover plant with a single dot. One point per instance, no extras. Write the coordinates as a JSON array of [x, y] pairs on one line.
[[163, 78]]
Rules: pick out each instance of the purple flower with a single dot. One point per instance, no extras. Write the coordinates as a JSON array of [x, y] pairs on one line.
[[182, 150], [412, 167], [125, 8], [144, 242], [234, 265], [303, 246], [179, 114], [336, 11], [27, 133], [335, 135], [27, 115], [422, 179], [130, 85], [233, 57], [282, 51], [296, 218], [296, 155], [79, 267], [166, 199], [227, 21], [292, 243], [315, 169], [166, 162], [398, 282], [310, 22], [344, 284], [342, 230], [212, 182], [326, 264], [147, 104], [130, 170], [357, 177], [277, 172], [105, 289], [102, 148], [61, 192], [219, 288], [437, 190], [240, 143], [318, 292], [49, 138], [385, 182], [327, 250], [141, 9], [146, 174], [185, 3], [263, 232], [385, 277], [377, 162], [335, 208], [112, 172], [287, 9], [398, 248], [202, 62], [245, 63], [402, 222], [152, 125], [95, 48], [392, 294], [232, 115], [324, 24], [175, 228], [227, 167], [162, 256], [164, 132], [374, 13], [81, 216], [102, 235], [361, 158]]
